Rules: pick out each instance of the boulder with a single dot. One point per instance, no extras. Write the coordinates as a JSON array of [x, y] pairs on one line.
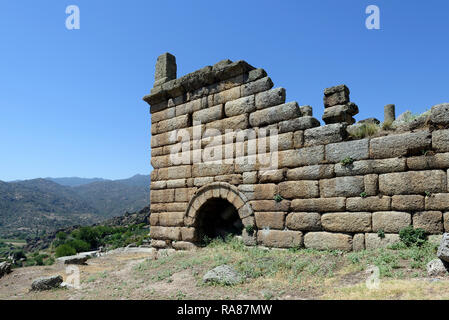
[[5, 268], [437, 267], [443, 250], [46, 283], [79, 259], [223, 275]]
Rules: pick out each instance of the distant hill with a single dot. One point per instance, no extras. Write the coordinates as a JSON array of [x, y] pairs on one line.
[[74, 181], [32, 206]]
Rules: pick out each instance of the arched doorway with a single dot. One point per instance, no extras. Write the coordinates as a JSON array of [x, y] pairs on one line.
[[217, 210]]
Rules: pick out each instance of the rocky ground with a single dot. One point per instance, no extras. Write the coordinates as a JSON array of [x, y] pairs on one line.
[[264, 274]]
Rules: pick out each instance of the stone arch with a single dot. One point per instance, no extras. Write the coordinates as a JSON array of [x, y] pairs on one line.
[[224, 191]]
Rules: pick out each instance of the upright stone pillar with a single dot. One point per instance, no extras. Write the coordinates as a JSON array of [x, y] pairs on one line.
[[165, 69], [389, 113]]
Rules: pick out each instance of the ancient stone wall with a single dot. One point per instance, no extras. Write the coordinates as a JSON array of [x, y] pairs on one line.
[[223, 132]]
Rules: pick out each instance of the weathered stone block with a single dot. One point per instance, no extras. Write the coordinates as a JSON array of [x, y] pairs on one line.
[[413, 182], [270, 205], [240, 106], [440, 140], [356, 150], [368, 204], [371, 184], [446, 221], [165, 233], [271, 176], [319, 205], [208, 115], [183, 245], [211, 169], [167, 195], [389, 165], [298, 139], [301, 123], [342, 187], [302, 157], [280, 239], [270, 220], [265, 191], [439, 114], [407, 203], [304, 221], [347, 222], [299, 189], [275, 114], [171, 219], [170, 124], [340, 113], [235, 123], [314, 172], [373, 241], [358, 242], [391, 221], [163, 115], [177, 183], [191, 106], [254, 87], [169, 207], [227, 95], [234, 179], [184, 194], [270, 98], [438, 201], [172, 173], [325, 134], [328, 241], [335, 96], [250, 177], [400, 144], [437, 161], [430, 221]]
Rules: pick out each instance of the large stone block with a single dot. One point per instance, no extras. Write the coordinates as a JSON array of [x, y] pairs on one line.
[[302, 157], [270, 98], [439, 114], [407, 203], [250, 177], [371, 184], [400, 144], [234, 179], [270, 205], [170, 124], [436, 161], [303, 221], [368, 204], [271, 176], [440, 140], [209, 114], [341, 113], [391, 221], [163, 115], [446, 221], [430, 221], [373, 241], [165, 233], [358, 242], [169, 207], [356, 150], [227, 95], [192, 106], [336, 95], [347, 222], [275, 114], [438, 201], [158, 196], [443, 250], [211, 169], [328, 241], [342, 187], [280, 239], [240, 106], [234, 123], [296, 124], [319, 205], [299, 189], [254, 87], [314, 172], [184, 194], [413, 182], [270, 220], [265, 191], [324, 135], [171, 219]]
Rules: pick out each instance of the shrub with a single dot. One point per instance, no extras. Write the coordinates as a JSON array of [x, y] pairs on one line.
[[347, 161], [381, 233], [278, 198], [411, 236], [249, 229], [79, 245], [363, 195], [61, 235], [64, 250]]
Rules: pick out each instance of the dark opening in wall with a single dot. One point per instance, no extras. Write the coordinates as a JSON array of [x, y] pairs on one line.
[[218, 218]]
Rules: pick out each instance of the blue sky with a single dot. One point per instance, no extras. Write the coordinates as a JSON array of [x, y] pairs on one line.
[[70, 100]]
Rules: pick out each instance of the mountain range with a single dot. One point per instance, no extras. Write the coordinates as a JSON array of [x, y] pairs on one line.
[[31, 207]]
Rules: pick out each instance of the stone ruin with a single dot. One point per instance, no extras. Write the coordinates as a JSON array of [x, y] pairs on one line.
[[230, 156]]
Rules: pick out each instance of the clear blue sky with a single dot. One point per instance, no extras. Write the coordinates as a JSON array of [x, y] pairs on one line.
[[71, 103]]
